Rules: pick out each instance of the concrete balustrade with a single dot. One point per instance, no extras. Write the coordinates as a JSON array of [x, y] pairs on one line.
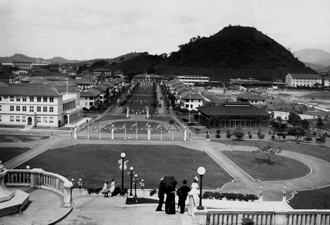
[[38, 178], [260, 217]]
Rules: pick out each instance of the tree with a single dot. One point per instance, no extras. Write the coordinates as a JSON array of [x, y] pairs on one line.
[[319, 122], [294, 119], [268, 151], [279, 128], [151, 70], [305, 124], [298, 132]]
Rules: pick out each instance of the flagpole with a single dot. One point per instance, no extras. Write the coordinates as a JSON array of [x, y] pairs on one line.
[[100, 131], [161, 132]]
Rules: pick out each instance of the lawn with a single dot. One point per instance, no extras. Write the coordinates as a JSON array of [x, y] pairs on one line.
[[20, 138], [7, 154], [280, 168], [96, 163], [312, 150], [314, 199]]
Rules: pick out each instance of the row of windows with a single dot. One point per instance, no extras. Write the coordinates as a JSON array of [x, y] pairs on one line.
[[23, 119], [25, 98], [192, 100], [24, 108]]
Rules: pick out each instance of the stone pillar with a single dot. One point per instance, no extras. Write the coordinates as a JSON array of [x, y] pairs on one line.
[[112, 130], [149, 132], [127, 112], [5, 194], [75, 132], [185, 133], [36, 180], [147, 112], [67, 198]]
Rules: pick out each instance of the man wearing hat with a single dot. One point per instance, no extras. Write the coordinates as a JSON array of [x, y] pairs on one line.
[[182, 192]]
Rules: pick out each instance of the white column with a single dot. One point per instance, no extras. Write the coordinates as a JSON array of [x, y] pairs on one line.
[[67, 200], [149, 132], [127, 112], [185, 133], [75, 132], [112, 130], [147, 112]]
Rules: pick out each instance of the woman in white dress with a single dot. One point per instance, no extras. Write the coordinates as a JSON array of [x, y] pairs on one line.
[[194, 187]]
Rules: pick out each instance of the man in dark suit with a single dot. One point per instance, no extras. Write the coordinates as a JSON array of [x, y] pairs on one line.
[[161, 195], [182, 192]]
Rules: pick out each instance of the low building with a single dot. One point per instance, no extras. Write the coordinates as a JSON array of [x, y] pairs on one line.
[[192, 80], [102, 71], [232, 115], [191, 100], [89, 98], [147, 78], [253, 99], [295, 80]]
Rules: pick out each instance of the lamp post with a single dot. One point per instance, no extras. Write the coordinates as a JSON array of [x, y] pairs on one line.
[[201, 172], [131, 169], [79, 182], [122, 173], [135, 180]]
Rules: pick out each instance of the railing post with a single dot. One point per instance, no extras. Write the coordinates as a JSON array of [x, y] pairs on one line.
[[67, 200], [280, 217], [36, 178]]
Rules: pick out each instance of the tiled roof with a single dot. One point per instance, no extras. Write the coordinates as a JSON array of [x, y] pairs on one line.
[[22, 62], [90, 92], [29, 91], [193, 96], [251, 96], [64, 88], [304, 76], [232, 108], [101, 70]]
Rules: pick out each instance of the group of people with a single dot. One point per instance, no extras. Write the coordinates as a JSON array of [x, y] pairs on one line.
[[108, 188], [182, 193]]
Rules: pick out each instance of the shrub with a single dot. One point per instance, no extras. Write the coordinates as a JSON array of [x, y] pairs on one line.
[[250, 136], [197, 129], [308, 139], [247, 221], [273, 137], [217, 135], [238, 134], [261, 136], [218, 131]]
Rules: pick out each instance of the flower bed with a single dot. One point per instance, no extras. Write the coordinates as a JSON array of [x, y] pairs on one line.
[[229, 196]]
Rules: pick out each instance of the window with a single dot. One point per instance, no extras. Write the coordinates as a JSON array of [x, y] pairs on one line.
[[51, 99], [0, 98], [38, 99], [18, 108], [31, 108], [38, 119], [38, 109], [11, 98], [91, 103], [31, 99], [187, 106], [11, 118], [23, 118], [45, 109], [0, 107], [24, 98], [11, 108], [18, 99], [44, 119], [91, 98], [51, 109], [51, 119], [24, 108], [45, 99], [0, 118], [187, 100], [18, 119]]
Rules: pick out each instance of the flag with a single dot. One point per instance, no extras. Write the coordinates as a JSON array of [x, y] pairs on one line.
[[96, 126], [107, 126], [147, 124], [124, 126], [134, 124], [159, 126]]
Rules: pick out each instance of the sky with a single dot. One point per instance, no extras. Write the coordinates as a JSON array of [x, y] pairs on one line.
[[84, 29]]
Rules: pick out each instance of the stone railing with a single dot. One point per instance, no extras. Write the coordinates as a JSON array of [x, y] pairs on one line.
[[259, 217], [38, 178]]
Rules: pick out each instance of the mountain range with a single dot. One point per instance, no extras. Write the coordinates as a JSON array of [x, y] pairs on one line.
[[233, 52]]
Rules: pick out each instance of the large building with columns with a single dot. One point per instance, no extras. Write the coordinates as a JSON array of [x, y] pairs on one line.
[[39, 105]]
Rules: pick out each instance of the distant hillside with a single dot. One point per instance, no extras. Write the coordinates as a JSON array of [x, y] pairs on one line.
[[21, 57], [314, 56], [60, 60], [235, 52], [318, 68]]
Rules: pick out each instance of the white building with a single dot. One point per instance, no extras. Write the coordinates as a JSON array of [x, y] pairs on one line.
[[89, 98], [39, 105], [192, 80], [23, 65], [294, 80]]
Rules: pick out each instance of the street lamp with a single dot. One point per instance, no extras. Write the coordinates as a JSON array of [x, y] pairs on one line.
[[201, 172], [79, 182], [131, 169], [135, 180], [122, 155]]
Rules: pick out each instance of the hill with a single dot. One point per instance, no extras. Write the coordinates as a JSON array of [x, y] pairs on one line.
[[21, 57], [234, 52], [60, 60], [315, 56]]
